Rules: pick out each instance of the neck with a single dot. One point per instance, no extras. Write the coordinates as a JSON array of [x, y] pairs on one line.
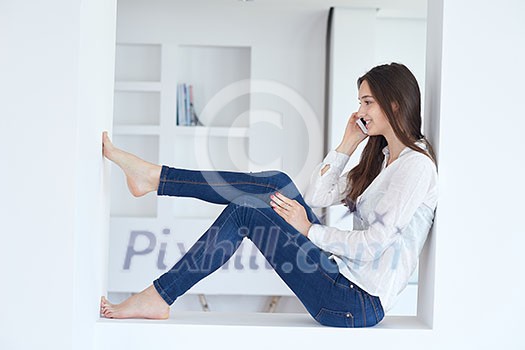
[[395, 146]]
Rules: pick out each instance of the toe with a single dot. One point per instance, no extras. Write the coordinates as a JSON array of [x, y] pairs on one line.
[[104, 301], [107, 141]]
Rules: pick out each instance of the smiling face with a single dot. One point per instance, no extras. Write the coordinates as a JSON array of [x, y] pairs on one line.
[[376, 120]]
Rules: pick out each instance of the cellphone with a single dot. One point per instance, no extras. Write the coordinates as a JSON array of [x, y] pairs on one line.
[[362, 124]]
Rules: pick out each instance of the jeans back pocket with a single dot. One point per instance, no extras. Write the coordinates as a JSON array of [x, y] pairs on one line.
[[334, 318]]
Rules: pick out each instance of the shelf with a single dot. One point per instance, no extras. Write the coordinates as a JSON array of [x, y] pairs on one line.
[[194, 131], [210, 69], [217, 131], [138, 62], [136, 130], [137, 86], [136, 108]]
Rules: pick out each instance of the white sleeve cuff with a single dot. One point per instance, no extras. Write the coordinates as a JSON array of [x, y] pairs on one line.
[[316, 234], [336, 159]]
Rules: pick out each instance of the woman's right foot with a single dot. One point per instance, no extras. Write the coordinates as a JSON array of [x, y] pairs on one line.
[[146, 304], [142, 177]]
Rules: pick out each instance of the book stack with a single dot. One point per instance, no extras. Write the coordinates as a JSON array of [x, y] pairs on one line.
[[186, 114]]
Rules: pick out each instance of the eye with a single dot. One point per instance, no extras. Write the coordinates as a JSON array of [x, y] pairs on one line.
[[366, 102]]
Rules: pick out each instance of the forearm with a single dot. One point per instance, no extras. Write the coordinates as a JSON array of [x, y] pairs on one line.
[[305, 228], [347, 147], [326, 183]]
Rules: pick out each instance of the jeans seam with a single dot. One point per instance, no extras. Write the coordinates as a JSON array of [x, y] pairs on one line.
[[374, 306], [200, 256], [362, 306], [221, 183], [162, 180], [342, 285], [324, 310]]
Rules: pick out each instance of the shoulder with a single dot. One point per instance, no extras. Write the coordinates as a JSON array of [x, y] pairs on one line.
[[414, 157], [414, 162]]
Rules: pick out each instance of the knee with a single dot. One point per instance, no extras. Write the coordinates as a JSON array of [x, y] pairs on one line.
[[282, 178], [279, 179], [285, 185], [276, 177]]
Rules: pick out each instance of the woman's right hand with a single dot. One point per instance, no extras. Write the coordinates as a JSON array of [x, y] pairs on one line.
[[353, 135]]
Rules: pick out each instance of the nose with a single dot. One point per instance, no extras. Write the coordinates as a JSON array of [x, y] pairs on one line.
[[361, 111]]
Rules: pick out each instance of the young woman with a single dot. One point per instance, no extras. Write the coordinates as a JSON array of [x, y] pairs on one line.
[[344, 278]]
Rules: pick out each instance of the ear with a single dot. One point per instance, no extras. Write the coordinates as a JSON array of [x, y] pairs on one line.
[[395, 106]]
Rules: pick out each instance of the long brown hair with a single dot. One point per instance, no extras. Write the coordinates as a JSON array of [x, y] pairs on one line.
[[391, 85]]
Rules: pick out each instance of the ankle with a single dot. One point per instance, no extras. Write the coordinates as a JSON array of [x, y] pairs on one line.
[[154, 176]]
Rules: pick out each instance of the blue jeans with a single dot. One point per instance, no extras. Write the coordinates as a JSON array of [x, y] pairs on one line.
[[327, 295]]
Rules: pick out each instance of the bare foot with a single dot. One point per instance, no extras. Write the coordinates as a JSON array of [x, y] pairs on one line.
[[142, 177], [146, 304]]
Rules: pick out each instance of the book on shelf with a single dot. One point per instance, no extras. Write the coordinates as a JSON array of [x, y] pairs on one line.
[[186, 114]]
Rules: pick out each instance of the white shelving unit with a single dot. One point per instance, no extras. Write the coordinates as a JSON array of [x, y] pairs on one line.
[[145, 108]]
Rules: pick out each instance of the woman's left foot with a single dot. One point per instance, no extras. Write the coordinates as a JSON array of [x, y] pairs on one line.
[[146, 304], [142, 177]]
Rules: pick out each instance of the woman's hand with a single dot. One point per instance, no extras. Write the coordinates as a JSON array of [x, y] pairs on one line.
[[291, 211], [353, 136]]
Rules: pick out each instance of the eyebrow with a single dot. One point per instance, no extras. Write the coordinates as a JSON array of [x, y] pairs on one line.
[[365, 96]]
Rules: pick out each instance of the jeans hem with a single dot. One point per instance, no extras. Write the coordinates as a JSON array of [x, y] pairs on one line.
[[162, 180], [162, 293]]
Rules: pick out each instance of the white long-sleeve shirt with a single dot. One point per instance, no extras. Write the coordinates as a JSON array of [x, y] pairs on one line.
[[390, 225]]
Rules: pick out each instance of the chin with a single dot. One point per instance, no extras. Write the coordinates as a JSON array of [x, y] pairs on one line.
[[374, 133]]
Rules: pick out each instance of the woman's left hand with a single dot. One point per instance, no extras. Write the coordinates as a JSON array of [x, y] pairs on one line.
[[291, 211]]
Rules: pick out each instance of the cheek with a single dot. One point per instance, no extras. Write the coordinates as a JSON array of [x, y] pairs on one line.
[[380, 120], [380, 116]]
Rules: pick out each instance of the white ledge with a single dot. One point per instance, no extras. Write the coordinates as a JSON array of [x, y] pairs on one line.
[[254, 331], [289, 320]]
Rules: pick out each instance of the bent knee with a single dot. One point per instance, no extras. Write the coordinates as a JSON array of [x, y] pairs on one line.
[[284, 183], [282, 176]]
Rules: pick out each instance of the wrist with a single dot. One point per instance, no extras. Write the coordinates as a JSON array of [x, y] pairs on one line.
[[306, 229], [347, 147]]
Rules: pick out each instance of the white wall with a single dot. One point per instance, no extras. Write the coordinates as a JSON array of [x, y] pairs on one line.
[[55, 69], [95, 113], [39, 63], [480, 237]]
